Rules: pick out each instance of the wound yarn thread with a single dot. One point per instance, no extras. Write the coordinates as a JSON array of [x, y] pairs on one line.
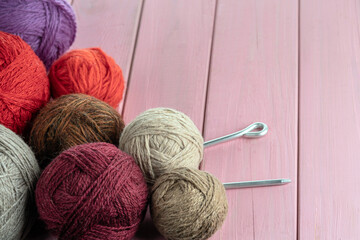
[[72, 120], [90, 71], [161, 139], [188, 204], [92, 191], [19, 171], [24, 85], [48, 26]]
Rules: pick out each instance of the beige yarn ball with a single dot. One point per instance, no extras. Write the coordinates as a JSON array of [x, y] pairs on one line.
[[188, 204], [19, 171], [161, 139]]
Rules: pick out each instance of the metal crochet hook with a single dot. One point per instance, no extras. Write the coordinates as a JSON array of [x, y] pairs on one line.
[[247, 132], [257, 183]]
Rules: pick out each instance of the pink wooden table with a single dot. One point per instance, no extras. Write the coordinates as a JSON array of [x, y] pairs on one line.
[[292, 64]]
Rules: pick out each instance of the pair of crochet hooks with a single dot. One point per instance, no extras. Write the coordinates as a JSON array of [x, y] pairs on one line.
[[255, 130]]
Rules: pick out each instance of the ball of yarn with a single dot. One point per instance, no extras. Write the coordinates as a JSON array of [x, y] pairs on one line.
[[24, 86], [19, 171], [89, 71], [92, 191], [188, 204], [162, 139], [72, 120], [48, 26]]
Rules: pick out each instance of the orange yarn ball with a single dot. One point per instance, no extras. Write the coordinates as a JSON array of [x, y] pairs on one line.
[[89, 71]]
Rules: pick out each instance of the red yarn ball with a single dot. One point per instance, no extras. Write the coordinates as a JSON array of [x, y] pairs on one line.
[[92, 191], [90, 71], [24, 85]]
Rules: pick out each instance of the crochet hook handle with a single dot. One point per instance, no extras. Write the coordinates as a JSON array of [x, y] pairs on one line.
[[260, 130], [258, 183]]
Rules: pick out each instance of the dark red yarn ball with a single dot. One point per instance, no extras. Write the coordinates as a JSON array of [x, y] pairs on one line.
[[92, 191]]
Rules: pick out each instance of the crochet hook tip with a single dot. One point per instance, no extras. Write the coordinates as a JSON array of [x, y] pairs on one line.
[[285, 181]]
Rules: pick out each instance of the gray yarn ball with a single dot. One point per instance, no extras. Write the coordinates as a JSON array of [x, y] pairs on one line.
[[19, 171], [161, 139]]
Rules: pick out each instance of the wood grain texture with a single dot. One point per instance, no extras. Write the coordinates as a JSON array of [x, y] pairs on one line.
[[254, 77], [171, 61], [111, 25], [170, 67], [329, 120]]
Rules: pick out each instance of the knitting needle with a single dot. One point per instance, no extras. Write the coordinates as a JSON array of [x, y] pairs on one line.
[[257, 183], [246, 132]]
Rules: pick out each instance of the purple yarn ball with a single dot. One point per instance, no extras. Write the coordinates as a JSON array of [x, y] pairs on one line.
[[48, 26]]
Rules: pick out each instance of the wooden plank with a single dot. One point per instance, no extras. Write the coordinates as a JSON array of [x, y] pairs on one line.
[[171, 61], [329, 120], [254, 77], [111, 25], [170, 66]]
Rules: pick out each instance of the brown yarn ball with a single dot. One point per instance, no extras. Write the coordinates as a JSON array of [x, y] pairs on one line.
[[161, 139], [72, 120], [188, 204]]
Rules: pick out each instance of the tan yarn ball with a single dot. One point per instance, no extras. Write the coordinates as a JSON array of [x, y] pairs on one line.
[[188, 204], [161, 139], [19, 171]]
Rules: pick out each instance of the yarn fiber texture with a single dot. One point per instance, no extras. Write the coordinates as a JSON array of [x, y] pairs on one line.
[[188, 204], [90, 71], [48, 26], [72, 120], [92, 191], [162, 139], [18, 172], [24, 85]]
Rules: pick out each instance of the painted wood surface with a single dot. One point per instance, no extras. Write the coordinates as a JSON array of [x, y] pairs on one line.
[[329, 200], [170, 67], [111, 25], [253, 77]]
